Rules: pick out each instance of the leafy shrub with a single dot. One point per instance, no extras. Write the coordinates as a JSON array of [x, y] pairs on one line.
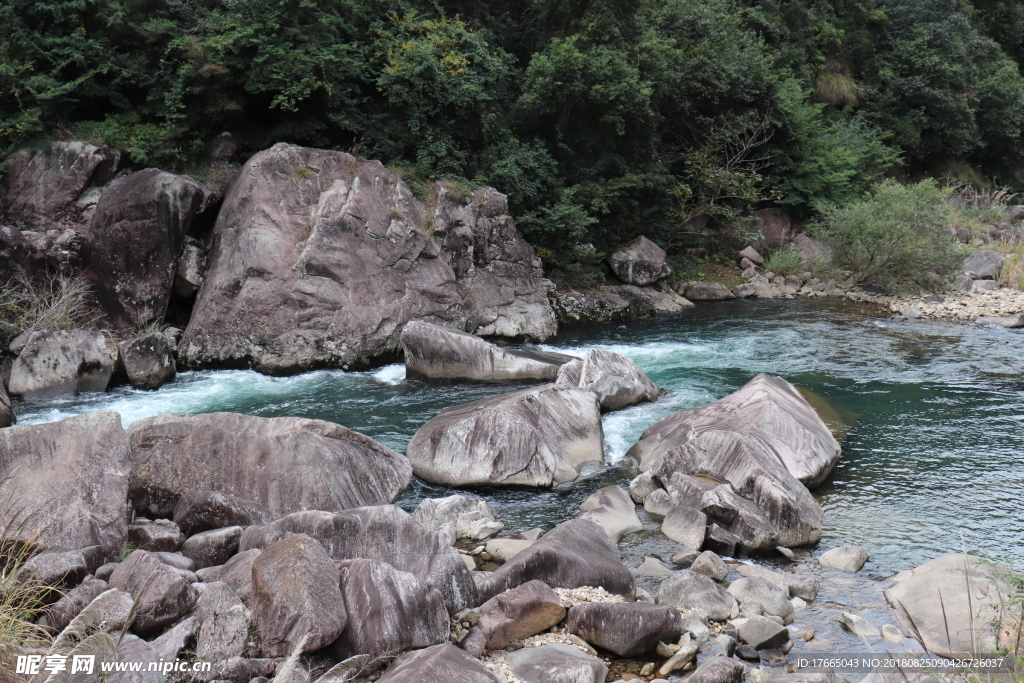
[[895, 237], [784, 262]]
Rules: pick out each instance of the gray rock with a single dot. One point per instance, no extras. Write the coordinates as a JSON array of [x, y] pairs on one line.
[[616, 302], [658, 504], [617, 380], [984, 263], [190, 268], [751, 254], [690, 590], [107, 613], [892, 634], [397, 611], [104, 571], [159, 535], [474, 643], [224, 626], [163, 595], [147, 361], [761, 633], [296, 597], [323, 269], [710, 564], [642, 486], [176, 560], [438, 664], [858, 626], [756, 533], [504, 549], [685, 559], [707, 291], [75, 471], [722, 541], [214, 547], [532, 437], [777, 579], [628, 629], [686, 525], [556, 663], [436, 352], [849, 558], [456, 517], [684, 655], [382, 532], [61, 362], [72, 602], [718, 670], [198, 511], [653, 567], [983, 286], [574, 554], [172, 642], [613, 510], [803, 587], [283, 463], [641, 263], [771, 598], [1010, 321], [7, 417], [237, 573], [133, 649], [55, 568], [521, 612]]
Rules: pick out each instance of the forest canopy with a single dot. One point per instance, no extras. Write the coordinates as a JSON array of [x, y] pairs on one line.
[[600, 119]]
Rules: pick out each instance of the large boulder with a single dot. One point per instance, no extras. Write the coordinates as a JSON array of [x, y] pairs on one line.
[[849, 558], [147, 361], [223, 623], [519, 613], [162, 593], [319, 260], [135, 239], [574, 554], [985, 264], [556, 663], [532, 437], [957, 605], [436, 352], [297, 601], [61, 362], [617, 380], [687, 590], [383, 532], [72, 482], [764, 441], [616, 302], [396, 611], [285, 464], [642, 262], [706, 291], [627, 629], [438, 664], [613, 510], [456, 517]]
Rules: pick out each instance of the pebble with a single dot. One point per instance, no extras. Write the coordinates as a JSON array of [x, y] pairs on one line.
[[577, 596], [963, 306]]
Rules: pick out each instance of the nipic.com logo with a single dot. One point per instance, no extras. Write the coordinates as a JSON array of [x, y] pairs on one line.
[[52, 664]]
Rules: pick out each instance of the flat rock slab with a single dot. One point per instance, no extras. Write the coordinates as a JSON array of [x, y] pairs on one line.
[[628, 629], [438, 664], [284, 464], [690, 590], [613, 510], [556, 663], [532, 437]]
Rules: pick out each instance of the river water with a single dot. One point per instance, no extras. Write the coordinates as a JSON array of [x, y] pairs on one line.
[[934, 463]]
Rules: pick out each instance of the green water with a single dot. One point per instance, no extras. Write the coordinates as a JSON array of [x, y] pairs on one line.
[[934, 464]]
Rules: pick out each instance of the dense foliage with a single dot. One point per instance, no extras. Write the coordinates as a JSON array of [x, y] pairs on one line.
[[601, 119]]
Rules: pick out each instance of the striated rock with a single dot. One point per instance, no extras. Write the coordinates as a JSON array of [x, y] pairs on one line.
[[61, 362], [282, 463], [616, 302], [159, 535], [456, 517], [574, 554], [396, 611], [627, 629], [75, 473], [953, 602], [706, 291], [858, 626], [438, 664], [642, 262], [710, 564], [296, 597], [848, 558], [383, 532], [436, 352], [532, 437], [7, 417], [147, 361], [985, 264], [162, 594], [519, 613], [556, 663], [319, 260], [718, 670], [613, 510], [199, 511], [72, 602], [761, 633], [212, 548], [617, 380], [136, 236], [685, 525], [690, 590]]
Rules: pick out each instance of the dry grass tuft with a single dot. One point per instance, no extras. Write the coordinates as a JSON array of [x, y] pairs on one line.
[[60, 302]]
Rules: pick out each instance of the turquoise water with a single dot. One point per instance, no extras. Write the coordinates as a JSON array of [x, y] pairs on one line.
[[934, 464]]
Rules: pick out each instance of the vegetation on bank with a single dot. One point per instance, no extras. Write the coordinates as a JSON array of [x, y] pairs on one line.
[[601, 119]]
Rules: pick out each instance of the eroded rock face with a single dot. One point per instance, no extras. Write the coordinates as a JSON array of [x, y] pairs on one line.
[[147, 361], [627, 629], [532, 437], [640, 263], [456, 517], [61, 362], [319, 260], [617, 380], [7, 417], [382, 532], [75, 471], [574, 554], [284, 464], [396, 611], [442, 353], [439, 663], [136, 236]]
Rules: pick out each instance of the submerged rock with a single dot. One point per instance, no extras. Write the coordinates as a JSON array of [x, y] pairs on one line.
[[61, 362], [284, 463], [319, 260], [532, 437]]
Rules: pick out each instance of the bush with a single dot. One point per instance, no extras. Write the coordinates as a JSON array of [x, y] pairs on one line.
[[895, 237], [784, 262], [58, 303]]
